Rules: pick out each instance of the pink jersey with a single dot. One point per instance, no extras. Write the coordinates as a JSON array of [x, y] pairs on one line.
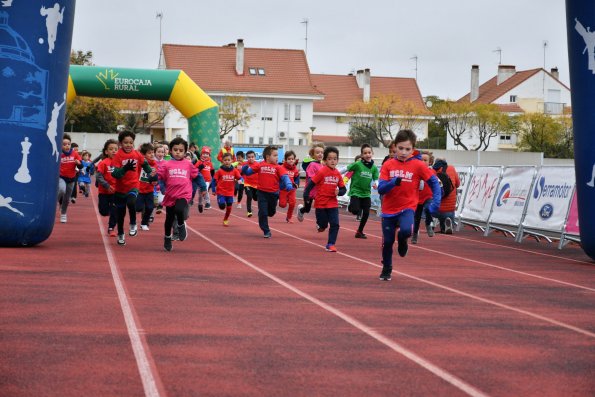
[[312, 170], [177, 176]]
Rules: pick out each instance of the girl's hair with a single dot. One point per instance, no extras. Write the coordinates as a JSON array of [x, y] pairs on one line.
[[430, 155], [125, 134], [178, 141], [406, 135], [314, 146], [85, 153], [145, 148], [328, 150], [66, 136], [366, 146], [357, 158], [106, 146], [288, 154]]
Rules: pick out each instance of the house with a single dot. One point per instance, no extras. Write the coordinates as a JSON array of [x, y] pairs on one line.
[[331, 114], [515, 92], [276, 83]]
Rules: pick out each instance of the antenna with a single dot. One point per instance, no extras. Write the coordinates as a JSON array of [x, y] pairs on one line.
[[499, 51], [415, 59], [545, 44], [160, 17], [543, 81], [305, 21]]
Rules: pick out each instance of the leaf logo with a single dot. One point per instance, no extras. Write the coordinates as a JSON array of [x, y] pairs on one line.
[[105, 77]]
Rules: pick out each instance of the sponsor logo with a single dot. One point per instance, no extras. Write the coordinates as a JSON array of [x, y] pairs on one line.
[[517, 197], [546, 211], [110, 80], [543, 190]]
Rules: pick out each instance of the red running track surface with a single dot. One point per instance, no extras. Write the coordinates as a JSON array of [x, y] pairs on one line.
[[228, 313]]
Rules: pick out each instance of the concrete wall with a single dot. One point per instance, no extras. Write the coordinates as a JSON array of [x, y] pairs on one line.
[[93, 142]]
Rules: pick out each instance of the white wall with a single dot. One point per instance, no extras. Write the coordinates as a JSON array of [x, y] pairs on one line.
[[535, 87]]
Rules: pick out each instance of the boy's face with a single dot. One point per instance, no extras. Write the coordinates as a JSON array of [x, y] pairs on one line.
[[331, 160], [112, 148], [127, 144], [86, 157], [392, 151], [273, 158], [204, 156], [367, 154], [178, 151], [66, 145], [150, 155], [251, 157], [290, 160], [426, 159], [240, 158], [404, 150], [227, 161]]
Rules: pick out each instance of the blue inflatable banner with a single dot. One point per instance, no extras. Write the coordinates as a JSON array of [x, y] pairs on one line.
[[35, 40], [580, 26]]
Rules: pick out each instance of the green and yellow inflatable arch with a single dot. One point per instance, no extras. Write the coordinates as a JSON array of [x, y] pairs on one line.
[[161, 85]]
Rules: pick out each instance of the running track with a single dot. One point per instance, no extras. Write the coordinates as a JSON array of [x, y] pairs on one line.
[[228, 313]]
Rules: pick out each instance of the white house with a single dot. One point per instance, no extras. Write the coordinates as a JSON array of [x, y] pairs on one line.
[[515, 92], [276, 83]]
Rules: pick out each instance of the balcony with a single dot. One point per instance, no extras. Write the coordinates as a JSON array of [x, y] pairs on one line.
[[554, 108]]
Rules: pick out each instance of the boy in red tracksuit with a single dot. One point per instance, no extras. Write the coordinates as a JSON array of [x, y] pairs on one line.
[[205, 166], [399, 183], [70, 161], [250, 183], [329, 182], [127, 167], [425, 199], [271, 177], [226, 177], [106, 185], [293, 173], [145, 202]]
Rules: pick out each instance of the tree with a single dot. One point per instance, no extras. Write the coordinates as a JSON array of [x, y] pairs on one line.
[[436, 128], [490, 122], [543, 133], [79, 57], [359, 135], [141, 115], [456, 117], [234, 112]]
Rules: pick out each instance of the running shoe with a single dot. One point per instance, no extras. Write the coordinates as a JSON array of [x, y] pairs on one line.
[[300, 214], [200, 208], [207, 206], [144, 227], [360, 235], [132, 231], [430, 230], [320, 229], [288, 220], [121, 239], [268, 235], [249, 214], [112, 232], [226, 222], [448, 226], [63, 218], [182, 234], [386, 274], [402, 247], [331, 248], [239, 205], [414, 238], [167, 243]]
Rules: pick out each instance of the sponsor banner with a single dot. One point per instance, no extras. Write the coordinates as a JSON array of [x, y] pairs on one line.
[[572, 222], [464, 176], [258, 149], [480, 194], [513, 193], [550, 198]]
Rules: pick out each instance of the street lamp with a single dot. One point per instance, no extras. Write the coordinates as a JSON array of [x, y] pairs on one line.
[[311, 138], [71, 121]]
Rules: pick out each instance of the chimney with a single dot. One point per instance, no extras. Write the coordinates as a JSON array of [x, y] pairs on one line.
[[554, 72], [240, 57], [474, 93], [504, 73], [359, 78], [367, 85]]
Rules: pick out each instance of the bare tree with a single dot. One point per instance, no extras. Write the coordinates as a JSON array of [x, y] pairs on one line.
[[456, 117], [490, 123], [142, 115], [234, 112]]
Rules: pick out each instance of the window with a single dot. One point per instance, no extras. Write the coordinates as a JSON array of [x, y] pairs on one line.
[[251, 139], [286, 110], [266, 118], [261, 71], [301, 142], [252, 71], [291, 141], [260, 140], [270, 141], [512, 98], [505, 137], [298, 112]]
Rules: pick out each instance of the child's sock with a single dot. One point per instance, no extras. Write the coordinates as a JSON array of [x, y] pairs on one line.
[[227, 212]]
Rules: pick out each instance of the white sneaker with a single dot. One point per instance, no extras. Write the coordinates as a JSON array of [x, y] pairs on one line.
[[300, 214], [239, 206], [144, 227], [133, 230], [63, 218], [448, 226]]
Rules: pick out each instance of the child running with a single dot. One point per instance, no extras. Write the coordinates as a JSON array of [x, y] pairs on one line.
[[205, 166], [250, 183], [107, 185], [363, 178], [330, 184], [271, 177], [288, 197], [226, 177], [127, 164], [85, 173], [70, 160], [399, 182], [425, 199], [239, 188], [312, 167], [177, 174], [145, 202]]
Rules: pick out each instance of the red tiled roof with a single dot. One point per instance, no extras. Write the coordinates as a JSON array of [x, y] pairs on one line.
[[490, 91], [341, 91], [214, 69], [331, 139], [510, 108]]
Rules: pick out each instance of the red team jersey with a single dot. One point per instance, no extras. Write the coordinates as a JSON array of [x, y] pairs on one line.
[[68, 164], [327, 180], [292, 172], [206, 171], [406, 195], [268, 176], [130, 180], [226, 181], [145, 186], [105, 167], [250, 180]]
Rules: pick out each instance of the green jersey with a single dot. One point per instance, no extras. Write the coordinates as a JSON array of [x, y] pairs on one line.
[[361, 180]]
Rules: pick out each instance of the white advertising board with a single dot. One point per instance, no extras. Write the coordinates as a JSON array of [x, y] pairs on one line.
[[464, 176], [481, 193], [513, 193]]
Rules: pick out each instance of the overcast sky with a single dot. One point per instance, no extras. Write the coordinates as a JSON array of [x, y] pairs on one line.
[[447, 36]]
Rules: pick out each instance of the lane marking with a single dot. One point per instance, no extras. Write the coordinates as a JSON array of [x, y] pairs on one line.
[[144, 361], [453, 290], [441, 373]]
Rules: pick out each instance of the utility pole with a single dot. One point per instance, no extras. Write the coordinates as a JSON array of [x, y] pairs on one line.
[[544, 69], [499, 51], [305, 21], [160, 17], [415, 59]]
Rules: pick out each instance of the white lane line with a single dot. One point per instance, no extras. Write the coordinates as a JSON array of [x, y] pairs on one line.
[[488, 264], [150, 379], [453, 290], [441, 373]]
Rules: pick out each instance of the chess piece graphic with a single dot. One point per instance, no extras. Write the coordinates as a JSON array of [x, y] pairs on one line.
[[22, 174]]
